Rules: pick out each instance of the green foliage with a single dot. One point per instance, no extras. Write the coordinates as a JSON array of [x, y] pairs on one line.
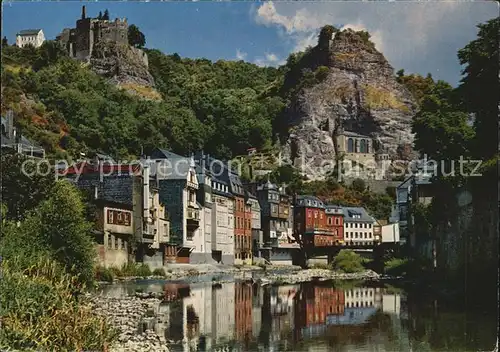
[[321, 73], [56, 227], [348, 261], [441, 128], [22, 187], [358, 185], [418, 85], [143, 270], [396, 266], [159, 272], [40, 311], [135, 37], [105, 274], [480, 87], [391, 192]]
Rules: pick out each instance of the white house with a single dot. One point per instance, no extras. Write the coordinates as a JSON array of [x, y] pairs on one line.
[[34, 37], [390, 233], [358, 226]]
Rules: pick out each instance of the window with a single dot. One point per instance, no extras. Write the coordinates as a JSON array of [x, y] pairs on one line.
[[316, 214], [321, 215], [309, 213], [370, 226], [336, 221], [117, 243], [356, 235], [110, 217], [110, 241], [366, 235]]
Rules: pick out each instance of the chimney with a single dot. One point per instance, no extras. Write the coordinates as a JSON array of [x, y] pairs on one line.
[[84, 15]]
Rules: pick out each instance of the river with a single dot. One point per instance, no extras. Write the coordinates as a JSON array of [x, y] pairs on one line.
[[239, 315]]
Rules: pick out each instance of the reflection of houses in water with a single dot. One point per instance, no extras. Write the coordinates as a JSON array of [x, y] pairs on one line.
[[281, 302], [243, 310], [223, 310], [316, 302], [363, 297], [391, 303], [257, 304], [313, 305], [174, 292]]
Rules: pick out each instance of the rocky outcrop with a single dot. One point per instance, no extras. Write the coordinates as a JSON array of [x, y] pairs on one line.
[[126, 314], [121, 64], [354, 84]]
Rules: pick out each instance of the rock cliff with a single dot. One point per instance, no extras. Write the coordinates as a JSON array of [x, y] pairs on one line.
[[349, 83], [121, 64]]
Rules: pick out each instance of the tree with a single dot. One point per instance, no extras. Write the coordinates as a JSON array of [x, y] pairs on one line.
[[100, 15], [4, 42], [23, 188], [440, 127], [59, 226], [135, 37], [106, 15], [480, 87]]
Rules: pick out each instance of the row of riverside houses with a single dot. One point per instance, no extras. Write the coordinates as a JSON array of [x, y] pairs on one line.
[[177, 209]]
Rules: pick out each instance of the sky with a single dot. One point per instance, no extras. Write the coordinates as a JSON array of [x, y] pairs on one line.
[[420, 37]]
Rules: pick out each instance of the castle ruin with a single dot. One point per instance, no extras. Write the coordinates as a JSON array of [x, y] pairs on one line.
[[80, 41]]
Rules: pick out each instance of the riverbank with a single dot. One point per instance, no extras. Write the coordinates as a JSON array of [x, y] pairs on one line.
[[125, 315], [184, 271], [315, 274], [265, 275], [136, 314]]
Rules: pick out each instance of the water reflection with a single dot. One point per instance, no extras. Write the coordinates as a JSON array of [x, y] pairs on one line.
[[315, 316]]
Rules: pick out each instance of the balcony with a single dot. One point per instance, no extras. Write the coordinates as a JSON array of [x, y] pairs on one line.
[[148, 234], [193, 218]]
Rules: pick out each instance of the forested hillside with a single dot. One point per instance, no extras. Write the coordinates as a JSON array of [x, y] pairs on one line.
[[221, 107]]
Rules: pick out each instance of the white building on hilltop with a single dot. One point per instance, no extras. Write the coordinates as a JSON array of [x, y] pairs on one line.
[[34, 37]]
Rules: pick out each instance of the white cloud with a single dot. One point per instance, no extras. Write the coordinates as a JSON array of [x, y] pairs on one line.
[[240, 55], [418, 36], [269, 59]]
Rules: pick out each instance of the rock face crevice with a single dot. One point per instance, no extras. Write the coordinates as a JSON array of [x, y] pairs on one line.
[[359, 91]]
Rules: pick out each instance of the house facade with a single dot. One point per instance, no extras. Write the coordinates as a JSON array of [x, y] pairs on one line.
[[33, 37], [335, 225], [13, 140], [114, 233], [178, 185], [128, 202], [358, 227], [256, 226], [310, 221], [278, 245]]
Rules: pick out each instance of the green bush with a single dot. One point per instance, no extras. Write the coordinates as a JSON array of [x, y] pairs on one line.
[[104, 274], [40, 311], [159, 272], [129, 269], [348, 261], [143, 270], [396, 266]]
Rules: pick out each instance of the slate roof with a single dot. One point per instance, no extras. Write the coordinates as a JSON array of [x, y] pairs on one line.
[[268, 186], [311, 199], [26, 32], [350, 212]]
